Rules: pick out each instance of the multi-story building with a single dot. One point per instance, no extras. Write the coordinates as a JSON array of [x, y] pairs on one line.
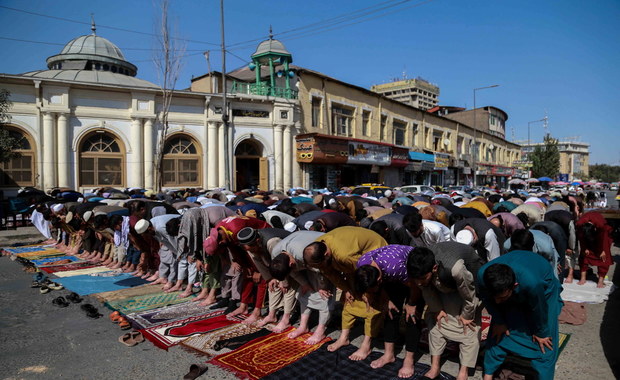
[[488, 119], [418, 92], [574, 157]]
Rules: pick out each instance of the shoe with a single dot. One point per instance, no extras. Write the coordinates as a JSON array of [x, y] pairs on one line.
[[195, 370], [124, 323], [44, 289], [115, 316], [60, 302], [91, 311], [223, 302], [74, 298], [232, 306], [35, 284], [55, 286]]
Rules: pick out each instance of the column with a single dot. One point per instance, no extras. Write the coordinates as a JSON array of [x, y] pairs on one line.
[[277, 156], [64, 153], [221, 180], [212, 151], [149, 155], [136, 161], [49, 162], [287, 146]]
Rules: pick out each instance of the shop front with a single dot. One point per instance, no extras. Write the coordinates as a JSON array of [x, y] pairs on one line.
[[419, 169]]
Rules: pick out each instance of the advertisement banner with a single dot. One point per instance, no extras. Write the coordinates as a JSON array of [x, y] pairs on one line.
[[369, 154]]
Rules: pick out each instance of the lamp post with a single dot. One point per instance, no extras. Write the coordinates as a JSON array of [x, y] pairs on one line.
[[474, 158], [528, 128]]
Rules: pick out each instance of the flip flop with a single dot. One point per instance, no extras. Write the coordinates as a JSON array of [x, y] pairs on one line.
[[60, 302], [127, 340], [74, 297], [195, 370]]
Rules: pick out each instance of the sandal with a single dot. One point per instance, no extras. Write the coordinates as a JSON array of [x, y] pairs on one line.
[[91, 311], [44, 289], [127, 340], [137, 336], [60, 302], [124, 324], [195, 370], [115, 316], [74, 297], [55, 286]]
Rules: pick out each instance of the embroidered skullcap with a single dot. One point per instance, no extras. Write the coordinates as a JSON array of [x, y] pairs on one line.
[[142, 225], [247, 235], [465, 237]]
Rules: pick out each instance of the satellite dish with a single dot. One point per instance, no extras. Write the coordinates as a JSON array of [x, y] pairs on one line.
[[492, 147], [446, 142]]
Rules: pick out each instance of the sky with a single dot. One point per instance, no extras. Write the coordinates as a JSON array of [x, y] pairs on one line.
[[555, 57]]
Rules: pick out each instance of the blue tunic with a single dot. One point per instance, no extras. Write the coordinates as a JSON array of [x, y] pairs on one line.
[[533, 309]]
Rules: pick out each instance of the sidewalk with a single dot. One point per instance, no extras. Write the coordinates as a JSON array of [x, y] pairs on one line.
[[21, 235]]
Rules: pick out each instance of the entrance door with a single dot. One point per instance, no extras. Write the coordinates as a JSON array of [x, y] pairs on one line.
[[249, 166], [264, 174]]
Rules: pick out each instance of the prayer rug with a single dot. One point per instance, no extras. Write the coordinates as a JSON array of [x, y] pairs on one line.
[[150, 318], [322, 364], [82, 271], [87, 284], [264, 356], [52, 260], [205, 343], [29, 249], [170, 334], [522, 366], [129, 292], [586, 293], [68, 267], [148, 302], [40, 254]]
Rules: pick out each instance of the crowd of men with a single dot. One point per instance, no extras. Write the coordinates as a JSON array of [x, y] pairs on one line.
[[432, 261]]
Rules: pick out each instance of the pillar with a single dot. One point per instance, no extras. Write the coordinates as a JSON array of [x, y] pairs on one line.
[[136, 161], [212, 151], [287, 147], [149, 155], [64, 153], [277, 156], [49, 161], [221, 180]]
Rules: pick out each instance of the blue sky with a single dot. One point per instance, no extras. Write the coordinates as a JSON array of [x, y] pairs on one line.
[[558, 56]]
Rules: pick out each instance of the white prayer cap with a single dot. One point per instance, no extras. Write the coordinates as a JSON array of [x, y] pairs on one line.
[[465, 237], [80, 200], [332, 202], [142, 225], [69, 217], [387, 193], [230, 197], [58, 207], [87, 215], [308, 224], [290, 227], [459, 204]]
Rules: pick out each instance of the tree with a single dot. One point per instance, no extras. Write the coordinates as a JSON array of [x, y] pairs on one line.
[[168, 63], [605, 173], [8, 143], [546, 158]]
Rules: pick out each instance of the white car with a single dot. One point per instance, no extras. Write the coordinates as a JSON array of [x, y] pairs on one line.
[[418, 189]]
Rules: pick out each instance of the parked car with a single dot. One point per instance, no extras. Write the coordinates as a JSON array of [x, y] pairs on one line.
[[464, 189], [373, 190], [419, 189]]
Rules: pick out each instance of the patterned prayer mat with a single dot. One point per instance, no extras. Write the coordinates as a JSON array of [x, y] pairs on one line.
[[40, 254], [268, 354], [322, 364], [150, 318], [170, 334], [82, 271], [128, 293], [148, 302], [55, 260], [37, 248], [89, 284], [205, 343], [68, 267]]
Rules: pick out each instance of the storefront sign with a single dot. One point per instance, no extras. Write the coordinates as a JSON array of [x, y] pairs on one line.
[[400, 157], [319, 150], [368, 153], [467, 170], [502, 171], [442, 161]]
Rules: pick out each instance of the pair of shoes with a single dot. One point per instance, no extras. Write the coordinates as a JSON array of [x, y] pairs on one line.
[[91, 311], [131, 338], [223, 302], [115, 316], [44, 289], [60, 302], [74, 297], [195, 370]]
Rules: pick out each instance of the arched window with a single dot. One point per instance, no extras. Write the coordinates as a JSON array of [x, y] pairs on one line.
[[101, 160], [181, 164], [20, 170]]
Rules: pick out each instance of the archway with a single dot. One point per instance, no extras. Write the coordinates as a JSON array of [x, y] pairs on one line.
[[21, 169], [251, 167], [102, 161], [181, 163]]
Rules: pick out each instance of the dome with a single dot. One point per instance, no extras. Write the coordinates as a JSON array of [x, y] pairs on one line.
[[271, 46], [91, 52]]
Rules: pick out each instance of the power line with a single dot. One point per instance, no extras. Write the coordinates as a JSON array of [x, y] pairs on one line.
[[58, 44], [101, 26]]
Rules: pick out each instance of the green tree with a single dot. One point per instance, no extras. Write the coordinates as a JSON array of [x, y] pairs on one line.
[[8, 143], [605, 173], [546, 158]]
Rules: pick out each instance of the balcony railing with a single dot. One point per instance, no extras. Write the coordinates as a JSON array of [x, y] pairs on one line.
[[263, 89]]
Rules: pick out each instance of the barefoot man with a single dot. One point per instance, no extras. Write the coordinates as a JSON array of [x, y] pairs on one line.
[[335, 254], [167, 260], [315, 292]]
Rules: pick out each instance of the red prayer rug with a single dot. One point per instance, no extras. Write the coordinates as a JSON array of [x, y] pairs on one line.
[[169, 334], [266, 355], [69, 267]]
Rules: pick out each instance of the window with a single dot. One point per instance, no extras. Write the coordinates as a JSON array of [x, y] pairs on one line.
[[342, 118], [316, 111], [383, 127], [399, 132], [19, 171], [181, 162], [101, 161], [366, 123]]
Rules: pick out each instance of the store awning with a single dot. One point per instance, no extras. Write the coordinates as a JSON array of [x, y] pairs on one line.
[[419, 156]]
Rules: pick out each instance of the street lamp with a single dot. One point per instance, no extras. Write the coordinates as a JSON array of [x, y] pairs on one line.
[[528, 128], [474, 158]]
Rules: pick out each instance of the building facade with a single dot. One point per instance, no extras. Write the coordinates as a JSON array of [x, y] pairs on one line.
[[418, 92], [574, 158]]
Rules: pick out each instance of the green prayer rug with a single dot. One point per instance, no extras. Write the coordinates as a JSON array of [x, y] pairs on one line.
[[146, 302]]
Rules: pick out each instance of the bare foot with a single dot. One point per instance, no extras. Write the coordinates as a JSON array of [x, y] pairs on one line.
[[208, 301], [242, 309], [253, 318], [167, 286], [338, 344], [268, 319], [361, 354], [154, 277], [185, 294], [281, 326], [601, 282], [407, 369], [202, 295], [159, 281], [297, 332], [173, 289], [117, 266], [581, 282], [319, 335], [383, 360], [138, 274], [145, 276], [568, 280], [432, 373]]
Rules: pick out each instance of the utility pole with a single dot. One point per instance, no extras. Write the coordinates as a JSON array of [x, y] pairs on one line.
[[224, 104]]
